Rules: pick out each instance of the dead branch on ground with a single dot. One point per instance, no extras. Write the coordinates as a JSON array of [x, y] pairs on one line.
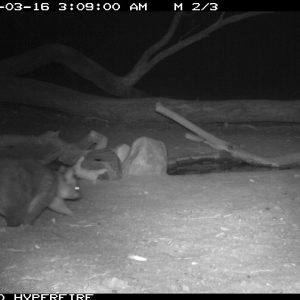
[[47, 95], [221, 145]]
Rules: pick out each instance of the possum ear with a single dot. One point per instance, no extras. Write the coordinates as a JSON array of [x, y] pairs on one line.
[[78, 163], [77, 167]]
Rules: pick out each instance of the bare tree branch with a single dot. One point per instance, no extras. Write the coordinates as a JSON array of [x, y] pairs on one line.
[[155, 47], [71, 58], [200, 35], [163, 41], [137, 73], [193, 30], [104, 79]]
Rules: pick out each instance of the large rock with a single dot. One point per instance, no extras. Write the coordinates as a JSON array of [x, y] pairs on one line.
[[147, 156]]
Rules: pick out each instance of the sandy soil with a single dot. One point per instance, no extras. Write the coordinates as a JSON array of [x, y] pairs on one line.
[[218, 232]]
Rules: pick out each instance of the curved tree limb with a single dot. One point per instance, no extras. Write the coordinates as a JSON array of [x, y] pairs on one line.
[[145, 64], [153, 49], [74, 60], [102, 78]]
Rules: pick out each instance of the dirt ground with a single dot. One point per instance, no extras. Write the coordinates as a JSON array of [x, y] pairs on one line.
[[233, 232]]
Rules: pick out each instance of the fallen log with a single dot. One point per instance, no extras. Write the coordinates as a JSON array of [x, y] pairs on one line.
[[42, 94], [215, 142], [284, 161]]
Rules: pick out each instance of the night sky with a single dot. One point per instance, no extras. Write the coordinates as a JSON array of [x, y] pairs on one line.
[[257, 58]]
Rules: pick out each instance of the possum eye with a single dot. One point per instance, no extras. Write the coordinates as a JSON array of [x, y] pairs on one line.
[[77, 188]]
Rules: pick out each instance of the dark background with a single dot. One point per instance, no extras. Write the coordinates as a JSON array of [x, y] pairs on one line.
[[257, 58]]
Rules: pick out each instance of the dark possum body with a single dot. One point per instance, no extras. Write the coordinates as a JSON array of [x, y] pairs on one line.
[[27, 188]]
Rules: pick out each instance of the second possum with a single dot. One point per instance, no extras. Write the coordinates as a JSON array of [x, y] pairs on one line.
[[27, 188]]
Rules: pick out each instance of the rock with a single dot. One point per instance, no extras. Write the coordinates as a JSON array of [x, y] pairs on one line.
[[104, 164], [147, 156], [87, 174]]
